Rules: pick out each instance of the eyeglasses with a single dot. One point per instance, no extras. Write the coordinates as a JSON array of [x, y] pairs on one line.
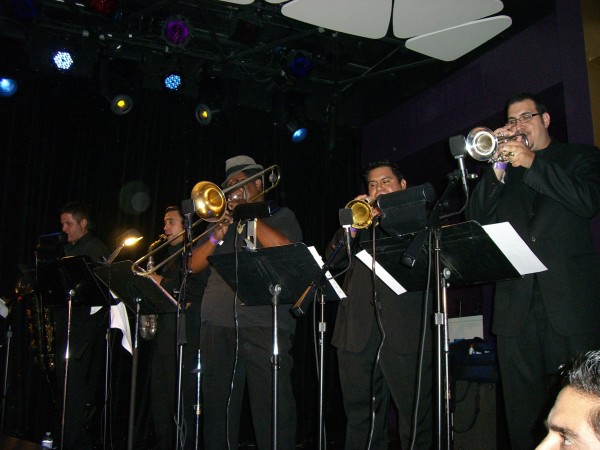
[[234, 181], [523, 118]]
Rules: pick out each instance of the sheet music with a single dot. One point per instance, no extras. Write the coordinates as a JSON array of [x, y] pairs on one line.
[[334, 284], [514, 248], [383, 274]]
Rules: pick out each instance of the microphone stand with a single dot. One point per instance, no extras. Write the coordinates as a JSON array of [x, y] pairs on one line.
[[299, 309], [181, 325], [440, 316]]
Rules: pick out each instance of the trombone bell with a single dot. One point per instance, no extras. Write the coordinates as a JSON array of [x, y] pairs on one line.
[[209, 201]]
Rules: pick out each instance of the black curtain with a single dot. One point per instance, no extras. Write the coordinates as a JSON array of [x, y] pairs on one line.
[[60, 142]]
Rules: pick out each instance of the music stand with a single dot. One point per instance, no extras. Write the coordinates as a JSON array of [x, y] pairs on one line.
[[69, 279], [141, 295], [284, 272], [468, 252], [465, 255]]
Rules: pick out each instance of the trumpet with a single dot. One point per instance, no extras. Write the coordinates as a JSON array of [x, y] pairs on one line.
[[210, 204], [482, 144], [362, 212]]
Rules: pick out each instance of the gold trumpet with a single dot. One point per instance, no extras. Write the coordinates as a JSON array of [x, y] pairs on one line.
[[482, 144], [210, 204], [362, 212]]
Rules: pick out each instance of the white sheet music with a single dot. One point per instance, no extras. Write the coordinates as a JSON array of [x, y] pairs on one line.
[[383, 274], [334, 284], [514, 248]]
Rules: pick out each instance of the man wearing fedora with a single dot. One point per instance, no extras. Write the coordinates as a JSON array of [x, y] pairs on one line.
[[236, 341]]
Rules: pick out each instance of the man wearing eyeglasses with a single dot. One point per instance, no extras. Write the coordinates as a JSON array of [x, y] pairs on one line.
[[549, 192]]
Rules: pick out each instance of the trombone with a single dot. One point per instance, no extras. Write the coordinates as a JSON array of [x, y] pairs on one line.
[[210, 204], [482, 144]]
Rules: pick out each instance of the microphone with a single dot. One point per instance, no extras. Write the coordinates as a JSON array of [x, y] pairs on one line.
[[345, 215], [458, 147]]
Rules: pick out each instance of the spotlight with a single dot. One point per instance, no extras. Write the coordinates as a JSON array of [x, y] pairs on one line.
[[173, 81], [63, 60], [121, 104], [298, 131], [203, 114], [301, 66], [176, 31], [8, 87]]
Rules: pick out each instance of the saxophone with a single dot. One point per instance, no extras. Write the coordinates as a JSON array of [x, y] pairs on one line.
[[149, 322]]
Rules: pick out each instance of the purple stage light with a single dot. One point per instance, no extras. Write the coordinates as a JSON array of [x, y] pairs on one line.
[[176, 31]]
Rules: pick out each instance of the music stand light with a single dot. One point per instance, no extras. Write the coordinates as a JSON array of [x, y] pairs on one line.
[[127, 239]]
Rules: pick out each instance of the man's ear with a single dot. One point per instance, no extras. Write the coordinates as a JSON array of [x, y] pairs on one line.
[[259, 184], [84, 223], [403, 184]]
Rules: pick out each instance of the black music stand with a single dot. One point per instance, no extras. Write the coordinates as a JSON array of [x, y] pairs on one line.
[[284, 272], [69, 280], [468, 252], [141, 295], [464, 255]]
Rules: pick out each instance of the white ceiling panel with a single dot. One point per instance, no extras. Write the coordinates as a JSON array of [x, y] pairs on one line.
[[414, 17], [452, 43], [366, 18]]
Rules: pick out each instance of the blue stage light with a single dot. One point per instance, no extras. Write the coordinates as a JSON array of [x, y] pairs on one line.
[[63, 60], [8, 87], [298, 131], [173, 81]]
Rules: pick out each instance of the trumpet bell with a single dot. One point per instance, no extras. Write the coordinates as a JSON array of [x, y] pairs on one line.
[[481, 144], [209, 201], [362, 213]]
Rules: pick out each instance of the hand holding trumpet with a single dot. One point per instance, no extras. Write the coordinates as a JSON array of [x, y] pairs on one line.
[[514, 151]]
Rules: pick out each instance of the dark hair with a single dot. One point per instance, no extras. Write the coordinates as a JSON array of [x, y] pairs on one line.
[[175, 208], [77, 209], [583, 375], [522, 96], [383, 163]]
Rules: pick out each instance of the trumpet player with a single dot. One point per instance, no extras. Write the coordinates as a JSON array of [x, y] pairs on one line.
[[549, 191], [235, 340], [164, 365], [377, 336]]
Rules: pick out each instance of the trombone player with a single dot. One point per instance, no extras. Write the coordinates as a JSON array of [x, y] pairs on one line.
[[235, 340]]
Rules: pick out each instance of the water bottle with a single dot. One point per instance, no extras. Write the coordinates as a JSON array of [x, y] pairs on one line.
[[48, 442]]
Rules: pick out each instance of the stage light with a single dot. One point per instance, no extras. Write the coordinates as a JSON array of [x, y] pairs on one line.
[[204, 114], [121, 104], [301, 66], [63, 60], [297, 130], [8, 87], [173, 81], [176, 31]]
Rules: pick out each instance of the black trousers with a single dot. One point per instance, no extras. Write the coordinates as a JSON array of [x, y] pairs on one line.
[[395, 374], [227, 373], [529, 365]]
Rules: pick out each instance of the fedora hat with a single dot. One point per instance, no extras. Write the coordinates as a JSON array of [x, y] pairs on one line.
[[238, 164]]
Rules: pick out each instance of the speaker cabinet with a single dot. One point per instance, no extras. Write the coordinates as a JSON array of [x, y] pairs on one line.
[[474, 416]]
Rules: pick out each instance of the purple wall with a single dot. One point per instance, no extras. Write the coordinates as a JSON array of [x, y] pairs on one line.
[[547, 58], [549, 53]]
